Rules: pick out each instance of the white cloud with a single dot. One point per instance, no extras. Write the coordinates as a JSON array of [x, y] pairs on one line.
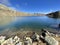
[[5, 2]]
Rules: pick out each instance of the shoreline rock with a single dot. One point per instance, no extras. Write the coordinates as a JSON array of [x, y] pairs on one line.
[[19, 41]]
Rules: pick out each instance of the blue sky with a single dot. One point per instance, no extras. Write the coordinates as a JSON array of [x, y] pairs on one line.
[[42, 6]]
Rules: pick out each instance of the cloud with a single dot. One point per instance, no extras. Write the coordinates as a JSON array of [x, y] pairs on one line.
[[5, 2]]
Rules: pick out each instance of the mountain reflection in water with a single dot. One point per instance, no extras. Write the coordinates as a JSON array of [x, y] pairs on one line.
[[33, 22]]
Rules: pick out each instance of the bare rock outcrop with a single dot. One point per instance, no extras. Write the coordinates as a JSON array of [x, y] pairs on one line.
[[54, 14]]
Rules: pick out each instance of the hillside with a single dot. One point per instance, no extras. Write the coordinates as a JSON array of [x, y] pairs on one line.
[[54, 14], [7, 11], [7, 14]]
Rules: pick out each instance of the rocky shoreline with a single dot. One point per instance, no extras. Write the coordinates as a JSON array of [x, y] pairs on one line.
[[20, 36]]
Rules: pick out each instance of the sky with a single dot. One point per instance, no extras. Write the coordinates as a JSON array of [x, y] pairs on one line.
[[33, 6]]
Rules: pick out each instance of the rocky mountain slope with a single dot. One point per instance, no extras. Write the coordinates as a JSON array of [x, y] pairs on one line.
[[54, 14], [7, 14], [5, 17], [7, 11]]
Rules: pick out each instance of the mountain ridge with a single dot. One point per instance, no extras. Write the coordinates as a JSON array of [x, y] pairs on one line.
[[7, 11], [55, 14]]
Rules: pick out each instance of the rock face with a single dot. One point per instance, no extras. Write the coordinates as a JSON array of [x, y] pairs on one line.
[[54, 14], [7, 11], [7, 15]]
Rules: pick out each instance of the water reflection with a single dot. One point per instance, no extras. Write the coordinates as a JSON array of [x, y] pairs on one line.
[[33, 22]]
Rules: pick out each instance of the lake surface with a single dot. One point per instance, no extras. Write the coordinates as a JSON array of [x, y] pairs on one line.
[[33, 22]]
